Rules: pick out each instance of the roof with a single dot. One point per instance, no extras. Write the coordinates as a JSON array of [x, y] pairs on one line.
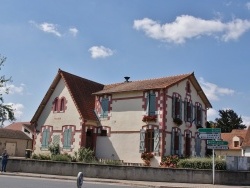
[[157, 83], [229, 136], [13, 134], [246, 142], [19, 125], [80, 89]]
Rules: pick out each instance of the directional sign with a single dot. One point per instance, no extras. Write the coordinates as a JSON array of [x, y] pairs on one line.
[[217, 147], [209, 130], [212, 136], [217, 142]]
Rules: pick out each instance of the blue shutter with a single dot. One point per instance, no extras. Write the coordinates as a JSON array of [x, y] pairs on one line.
[[173, 107], [69, 138], [142, 141], [201, 116], [198, 146], [156, 140], [45, 139], [191, 112], [195, 114], [172, 142], [65, 139], [152, 104], [104, 105], [180, 143]]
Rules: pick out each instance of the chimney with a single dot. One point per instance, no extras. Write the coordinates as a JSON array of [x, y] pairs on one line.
[[126, 78]]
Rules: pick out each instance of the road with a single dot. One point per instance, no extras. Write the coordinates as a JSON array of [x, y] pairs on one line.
[[7, 181]]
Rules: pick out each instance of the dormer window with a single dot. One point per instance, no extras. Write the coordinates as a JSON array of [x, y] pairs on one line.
[[236, 144]]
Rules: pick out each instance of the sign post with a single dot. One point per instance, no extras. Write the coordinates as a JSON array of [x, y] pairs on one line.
[[212, 135]]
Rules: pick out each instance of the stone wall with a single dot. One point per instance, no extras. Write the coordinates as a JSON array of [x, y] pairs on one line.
[[136, 173]]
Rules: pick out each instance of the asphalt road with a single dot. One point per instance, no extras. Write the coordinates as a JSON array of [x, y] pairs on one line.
[[7, 181]]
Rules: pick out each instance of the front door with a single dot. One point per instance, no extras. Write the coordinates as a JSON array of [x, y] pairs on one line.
[[89, 139]]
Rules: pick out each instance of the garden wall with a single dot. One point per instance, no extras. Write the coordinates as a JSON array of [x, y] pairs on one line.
[[129, 172]]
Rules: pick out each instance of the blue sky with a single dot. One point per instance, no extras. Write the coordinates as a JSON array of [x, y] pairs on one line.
[[106, 40]]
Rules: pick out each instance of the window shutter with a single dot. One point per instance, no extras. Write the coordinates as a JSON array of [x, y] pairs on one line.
[[195, 114], [173, 106], [104, 104], [69, 138], [65, 138], [191, 112], [198, 146], [152, 104], [185, 110], [180, 111], [45, 139], [172, 142], [142, 141], [180, 143], [156, 140], [201, 118]]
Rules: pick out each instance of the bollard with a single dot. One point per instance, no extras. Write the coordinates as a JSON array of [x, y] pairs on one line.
[[79, 179]]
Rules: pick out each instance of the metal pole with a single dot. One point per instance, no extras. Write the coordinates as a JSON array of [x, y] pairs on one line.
[[213, 167]]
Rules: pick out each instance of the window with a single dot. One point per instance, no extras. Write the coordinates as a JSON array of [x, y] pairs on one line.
[[149, 140], [67, 134], [62, 105], [188, 111], [188, 89], [26, 131], [176, 142], [55, 105], [105, 107], [236, 143], [176, 107], [151, 107], [188, 145], [45, 138], [103, 133], [198, 115]]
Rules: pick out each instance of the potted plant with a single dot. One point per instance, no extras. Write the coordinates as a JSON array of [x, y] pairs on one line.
[[148, 118]]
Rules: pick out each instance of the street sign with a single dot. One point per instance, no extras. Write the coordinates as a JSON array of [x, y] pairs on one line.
[[217, 142], [212, 136], [209, 130], [217, 147]]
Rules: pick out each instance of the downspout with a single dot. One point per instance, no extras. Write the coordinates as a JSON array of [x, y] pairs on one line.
[[163, 124]]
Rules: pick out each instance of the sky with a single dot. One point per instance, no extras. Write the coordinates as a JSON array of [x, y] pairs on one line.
[[105, 41]]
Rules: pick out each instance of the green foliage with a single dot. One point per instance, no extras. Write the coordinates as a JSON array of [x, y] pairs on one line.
[[228, 121], [6, 110], [202, 163], [170, 161], [54, 149], [41, 157], [86, 155], [61, 157]]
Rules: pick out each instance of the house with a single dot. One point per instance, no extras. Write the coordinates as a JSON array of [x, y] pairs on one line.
[[15, 142], [64, 114], [123, 120], [235, 140], [246, 144], [25, 127]]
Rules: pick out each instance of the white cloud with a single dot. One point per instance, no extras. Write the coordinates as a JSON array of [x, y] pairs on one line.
[[186, 27], [18, 110], [73, 31], [212, 114], [12, 89], [100, 52], [246, 120], [47, 28], [214, 92]]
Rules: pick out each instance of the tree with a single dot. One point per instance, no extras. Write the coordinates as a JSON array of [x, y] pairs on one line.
[[228, 121], [6, 110]]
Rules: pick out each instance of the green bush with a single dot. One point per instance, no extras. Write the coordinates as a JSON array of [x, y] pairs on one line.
[[61, 157], [86, 155], [202, 163], [54, 149]]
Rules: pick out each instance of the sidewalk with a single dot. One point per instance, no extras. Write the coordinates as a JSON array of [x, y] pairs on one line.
[[125, 182]]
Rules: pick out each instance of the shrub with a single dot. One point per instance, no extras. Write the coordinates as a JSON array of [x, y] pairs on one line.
[[61, 157], [86, 155], [54, 149], [170, 161], [202, 163], [44, 157]]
